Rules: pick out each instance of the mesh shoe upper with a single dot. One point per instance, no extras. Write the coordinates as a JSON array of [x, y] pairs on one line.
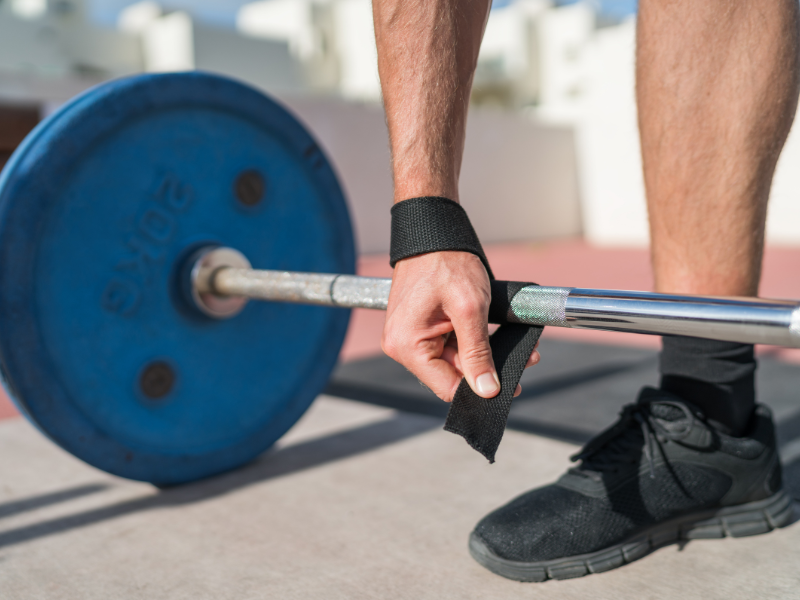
[[658, 461]]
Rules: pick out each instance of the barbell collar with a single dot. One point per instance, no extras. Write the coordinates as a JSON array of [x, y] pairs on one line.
[[744, 320]]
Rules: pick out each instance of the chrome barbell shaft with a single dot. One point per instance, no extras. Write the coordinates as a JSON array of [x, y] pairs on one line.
[[746, 320], [735, 319]]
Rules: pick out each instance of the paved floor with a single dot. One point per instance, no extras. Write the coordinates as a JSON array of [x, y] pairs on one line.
[[364, 501], [356, 502]]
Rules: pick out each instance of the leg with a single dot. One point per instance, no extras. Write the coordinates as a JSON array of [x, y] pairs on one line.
[[717, 86], [717, 89]]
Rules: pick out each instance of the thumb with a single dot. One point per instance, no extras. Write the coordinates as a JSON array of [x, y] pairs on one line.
[[475, 356]]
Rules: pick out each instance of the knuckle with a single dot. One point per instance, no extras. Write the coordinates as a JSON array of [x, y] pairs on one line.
[[469, 306], [390, 346]]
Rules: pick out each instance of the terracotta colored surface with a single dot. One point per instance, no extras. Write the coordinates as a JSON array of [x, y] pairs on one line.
[[571, 263], [780, 278], [7, 409]]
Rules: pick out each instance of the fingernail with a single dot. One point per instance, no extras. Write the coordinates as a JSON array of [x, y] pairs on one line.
[[517, 391], [487, 384]]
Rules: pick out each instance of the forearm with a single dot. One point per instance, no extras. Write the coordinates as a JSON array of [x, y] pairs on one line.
[[427, 52]]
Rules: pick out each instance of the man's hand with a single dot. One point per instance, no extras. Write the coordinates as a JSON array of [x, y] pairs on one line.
[[437, 323]]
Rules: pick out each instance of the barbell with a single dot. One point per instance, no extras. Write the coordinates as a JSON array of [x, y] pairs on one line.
[[222, 281], [128, 222]]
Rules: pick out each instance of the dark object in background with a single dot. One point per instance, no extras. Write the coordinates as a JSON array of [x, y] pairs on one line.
[[15, 123]]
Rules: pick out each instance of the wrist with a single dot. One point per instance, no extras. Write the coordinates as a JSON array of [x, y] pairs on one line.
[[421, 186], [432, 224]]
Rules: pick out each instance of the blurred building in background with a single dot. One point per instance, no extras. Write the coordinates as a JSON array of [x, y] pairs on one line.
[[552, 142]]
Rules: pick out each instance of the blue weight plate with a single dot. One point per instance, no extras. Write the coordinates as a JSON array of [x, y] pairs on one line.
[[98, 208]]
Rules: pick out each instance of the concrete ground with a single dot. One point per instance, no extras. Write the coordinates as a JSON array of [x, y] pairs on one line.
[[367, 497], [356, 502]]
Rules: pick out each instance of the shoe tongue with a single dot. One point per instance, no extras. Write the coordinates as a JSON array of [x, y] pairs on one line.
[[664, 407], [662, 404], [666, 412]]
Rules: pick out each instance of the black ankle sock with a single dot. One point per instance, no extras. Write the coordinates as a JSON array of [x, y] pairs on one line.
[[717, 377]]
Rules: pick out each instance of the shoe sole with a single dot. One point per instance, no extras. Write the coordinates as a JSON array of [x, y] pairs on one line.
[[753, 518]]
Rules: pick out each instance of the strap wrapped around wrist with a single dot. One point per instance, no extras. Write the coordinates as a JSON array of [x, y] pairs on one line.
[[434, 224]]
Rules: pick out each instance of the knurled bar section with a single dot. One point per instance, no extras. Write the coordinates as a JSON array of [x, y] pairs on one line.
[[539, 305]]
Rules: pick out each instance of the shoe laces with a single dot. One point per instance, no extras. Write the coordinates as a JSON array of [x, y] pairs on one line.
[[637, 428]]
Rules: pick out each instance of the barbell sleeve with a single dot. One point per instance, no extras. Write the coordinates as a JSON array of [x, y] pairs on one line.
[[745, 320]]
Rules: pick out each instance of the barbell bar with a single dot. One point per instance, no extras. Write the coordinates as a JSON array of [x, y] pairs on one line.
[[222, 280]]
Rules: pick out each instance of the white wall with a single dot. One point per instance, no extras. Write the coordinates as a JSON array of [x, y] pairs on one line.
[[783, 216], [355, 47], [26, 47], [562, 36], [174, 42], [355, 140], [307, 26], [290, 21], [49, 94], [518, 178], [168, 43], [610, 171], [509, 60], [53, 47], [264, 63]]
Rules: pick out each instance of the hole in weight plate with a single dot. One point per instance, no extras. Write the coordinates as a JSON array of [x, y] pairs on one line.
[[250, 187], [157, 380]]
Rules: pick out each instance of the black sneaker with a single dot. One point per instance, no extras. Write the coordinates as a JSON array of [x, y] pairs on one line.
[[658, 475]]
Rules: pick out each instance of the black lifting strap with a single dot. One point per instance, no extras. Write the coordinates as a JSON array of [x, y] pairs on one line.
[[433, 224]]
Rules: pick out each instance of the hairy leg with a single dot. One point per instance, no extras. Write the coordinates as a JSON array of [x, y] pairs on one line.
[[717, 87]]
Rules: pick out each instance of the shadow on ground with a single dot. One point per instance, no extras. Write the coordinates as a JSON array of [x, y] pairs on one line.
[[574, 393], [273, 464]]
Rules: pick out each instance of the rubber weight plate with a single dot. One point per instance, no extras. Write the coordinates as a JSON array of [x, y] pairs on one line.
[[98, 209]]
